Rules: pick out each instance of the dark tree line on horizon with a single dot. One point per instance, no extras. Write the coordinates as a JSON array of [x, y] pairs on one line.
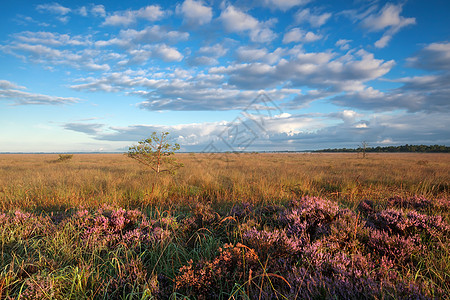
[[402, 148]]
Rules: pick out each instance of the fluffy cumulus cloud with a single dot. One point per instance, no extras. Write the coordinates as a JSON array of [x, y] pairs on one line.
[[127, 17], [388, 19], [60, 12], [416, 93], [198, 55], [54, 8], [299, 131], [16, 95], [98, 10], [235, 20], [421, 93], [238, 134], [314, 69], [51, 39], [284, 4], [131, 38], [297, 35], [435, 56], [195, 12], [82, 59], [208, 55], [315, 20], [225, 88], [6, 85], [167, 54], [343, 44]]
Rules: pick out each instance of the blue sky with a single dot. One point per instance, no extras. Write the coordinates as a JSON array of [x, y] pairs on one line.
[[223, 75]]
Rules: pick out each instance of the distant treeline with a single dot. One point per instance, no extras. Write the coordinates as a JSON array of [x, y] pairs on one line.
[[403, 148]]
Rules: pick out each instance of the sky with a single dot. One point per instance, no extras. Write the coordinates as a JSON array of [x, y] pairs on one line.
[[245, 75]]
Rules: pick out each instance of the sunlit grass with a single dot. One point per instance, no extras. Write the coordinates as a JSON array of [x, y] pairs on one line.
[[201, 233]]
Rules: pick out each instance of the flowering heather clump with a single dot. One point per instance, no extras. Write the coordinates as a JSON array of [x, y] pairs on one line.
[[420, 203], [113, 227], [416, 202], [366, 207], [294, 223], [25, 225], [312, 214], [395, 247], [307, 249], [202, 216], [205, 279], [308, 284], [395, 221], [275, 243], [433, 225], [330, 273], [347, 231]]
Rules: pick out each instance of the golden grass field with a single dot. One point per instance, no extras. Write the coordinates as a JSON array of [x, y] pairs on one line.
[[36, 181], [226, 226]]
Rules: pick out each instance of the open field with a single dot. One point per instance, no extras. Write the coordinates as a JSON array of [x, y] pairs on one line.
[[37, 182], [242, 226]]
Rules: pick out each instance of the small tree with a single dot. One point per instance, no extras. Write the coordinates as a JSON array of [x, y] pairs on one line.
[[64, 157], [363, 148], [155, 152]]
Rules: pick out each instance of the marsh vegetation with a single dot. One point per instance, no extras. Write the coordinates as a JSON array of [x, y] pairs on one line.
[[239, 226]]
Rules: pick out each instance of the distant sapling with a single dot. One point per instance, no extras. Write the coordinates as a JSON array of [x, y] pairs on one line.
[[155, 152]]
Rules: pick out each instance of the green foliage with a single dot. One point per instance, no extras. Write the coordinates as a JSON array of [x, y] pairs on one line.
[[403, 148], [155, 152]]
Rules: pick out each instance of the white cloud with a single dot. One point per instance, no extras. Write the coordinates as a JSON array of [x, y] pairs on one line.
[[435, 56], [245, 53], [297, 35], [425, 93], [235, 20], [54, 8], [315, 69], [388, 18], [25, 20], [83, 11], [343, 44], [51, 39], [420, 93], [124, 18], [288, 132], [167, 53], [179, 90], [64, 19], [83, 59], [131, 38], [6, 85], [216, 50], [315, 20], [9, 91], [383, 41], [208, 55], [98, 10], [195, 12], [284, 5]]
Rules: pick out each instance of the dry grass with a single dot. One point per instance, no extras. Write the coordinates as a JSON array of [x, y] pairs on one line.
[[211, 231], [36, 181]]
